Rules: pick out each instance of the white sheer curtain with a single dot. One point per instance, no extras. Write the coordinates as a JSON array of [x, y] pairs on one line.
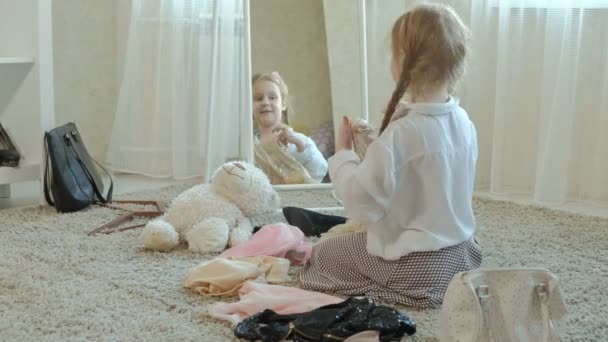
[[169, 92], [536, 87]]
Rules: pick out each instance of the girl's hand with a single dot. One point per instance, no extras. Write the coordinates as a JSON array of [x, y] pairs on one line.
[[288, 135], [344, 140], [359, 125], [272, 137]]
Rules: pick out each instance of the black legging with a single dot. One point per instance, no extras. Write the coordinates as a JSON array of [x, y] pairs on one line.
[[310, 222]]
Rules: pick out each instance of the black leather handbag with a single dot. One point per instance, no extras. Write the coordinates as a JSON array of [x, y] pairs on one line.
[[9, 155], [71, 181]]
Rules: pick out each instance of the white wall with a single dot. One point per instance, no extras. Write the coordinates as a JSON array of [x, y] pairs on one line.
[[85, 46]]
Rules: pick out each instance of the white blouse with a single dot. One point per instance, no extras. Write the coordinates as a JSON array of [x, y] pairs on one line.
[[414, 187]]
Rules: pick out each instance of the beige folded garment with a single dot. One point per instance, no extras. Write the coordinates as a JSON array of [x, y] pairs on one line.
[[224, 276], [278, 164]]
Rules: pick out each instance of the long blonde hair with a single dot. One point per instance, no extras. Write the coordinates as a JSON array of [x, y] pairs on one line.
[[275, 78], [430, 42]]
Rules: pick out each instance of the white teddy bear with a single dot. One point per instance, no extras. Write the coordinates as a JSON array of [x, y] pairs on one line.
[[211, 216]]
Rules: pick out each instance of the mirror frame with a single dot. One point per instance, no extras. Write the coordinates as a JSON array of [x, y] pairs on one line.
[[247, 132]]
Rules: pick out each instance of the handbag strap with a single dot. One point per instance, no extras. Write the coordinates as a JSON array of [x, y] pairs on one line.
[[47, 175], [108, 197]]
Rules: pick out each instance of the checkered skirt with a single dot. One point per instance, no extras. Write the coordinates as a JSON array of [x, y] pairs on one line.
[[343, 265]]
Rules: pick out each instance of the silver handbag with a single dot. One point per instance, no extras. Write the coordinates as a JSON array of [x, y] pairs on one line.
[[503, 304]]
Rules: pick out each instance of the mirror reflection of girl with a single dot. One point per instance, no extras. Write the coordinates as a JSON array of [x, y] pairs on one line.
[[413, 189], [270, 102]]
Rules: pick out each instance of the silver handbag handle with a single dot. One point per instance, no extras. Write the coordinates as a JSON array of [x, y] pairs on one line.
[[489, 327], [543, 298]]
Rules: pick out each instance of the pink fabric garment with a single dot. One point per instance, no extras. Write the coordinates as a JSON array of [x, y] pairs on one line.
[[256, 297], [278, 240]]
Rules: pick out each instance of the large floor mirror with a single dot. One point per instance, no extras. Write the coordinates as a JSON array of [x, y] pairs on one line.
[[307, 66]]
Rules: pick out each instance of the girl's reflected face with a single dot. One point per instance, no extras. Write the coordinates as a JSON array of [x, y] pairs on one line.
[[268, 105]]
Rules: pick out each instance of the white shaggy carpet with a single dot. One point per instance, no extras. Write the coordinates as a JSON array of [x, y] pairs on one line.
[[58, 284]]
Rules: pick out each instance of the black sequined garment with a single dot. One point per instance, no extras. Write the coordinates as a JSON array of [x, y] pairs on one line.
[[333, 322]]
